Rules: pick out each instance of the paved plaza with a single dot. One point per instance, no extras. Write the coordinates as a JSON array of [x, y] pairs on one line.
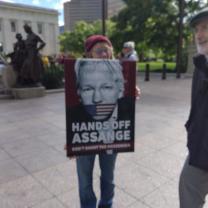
[[35, 173]]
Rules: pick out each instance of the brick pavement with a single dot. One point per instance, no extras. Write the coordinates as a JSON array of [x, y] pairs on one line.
[[34, 172]]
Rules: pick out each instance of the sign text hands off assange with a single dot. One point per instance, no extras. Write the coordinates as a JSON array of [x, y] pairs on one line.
[[98, 131]]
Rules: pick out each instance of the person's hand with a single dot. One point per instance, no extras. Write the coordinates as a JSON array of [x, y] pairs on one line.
[[118, 56], [200, 63], [137, 92], [70, 157]]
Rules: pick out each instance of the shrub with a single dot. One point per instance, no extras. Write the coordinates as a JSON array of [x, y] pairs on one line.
[[53, 77]]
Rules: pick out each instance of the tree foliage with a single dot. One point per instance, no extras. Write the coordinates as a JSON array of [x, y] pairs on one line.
[[72, 42], [153, 23]]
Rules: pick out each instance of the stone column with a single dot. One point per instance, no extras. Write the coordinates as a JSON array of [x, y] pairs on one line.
[[191, 53], [44, 36], [5, 31], [57, 48]]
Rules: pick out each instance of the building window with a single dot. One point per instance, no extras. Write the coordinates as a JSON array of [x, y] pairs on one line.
[[13, 26], [40, 28]]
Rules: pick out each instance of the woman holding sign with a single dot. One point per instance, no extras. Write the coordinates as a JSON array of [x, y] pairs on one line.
[[97, 46], [100, 86]]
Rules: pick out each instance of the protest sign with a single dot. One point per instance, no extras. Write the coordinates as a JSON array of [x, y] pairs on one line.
[[100, 106]]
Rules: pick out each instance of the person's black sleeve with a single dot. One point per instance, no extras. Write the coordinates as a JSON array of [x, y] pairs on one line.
[[201, 64]]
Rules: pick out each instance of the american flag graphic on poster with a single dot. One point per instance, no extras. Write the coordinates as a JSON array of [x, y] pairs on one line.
[[99, 111], [100, 106]]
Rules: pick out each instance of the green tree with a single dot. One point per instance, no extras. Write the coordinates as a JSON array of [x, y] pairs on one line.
[[147, 22], [72, 42], [153, 23]]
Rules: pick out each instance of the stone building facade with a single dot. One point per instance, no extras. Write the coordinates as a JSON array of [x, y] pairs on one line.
[[44, 22]]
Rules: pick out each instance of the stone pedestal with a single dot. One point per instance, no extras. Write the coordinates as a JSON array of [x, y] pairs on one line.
[[24, 93]]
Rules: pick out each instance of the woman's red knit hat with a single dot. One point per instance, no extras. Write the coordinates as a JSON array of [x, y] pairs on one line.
[[93, 39]]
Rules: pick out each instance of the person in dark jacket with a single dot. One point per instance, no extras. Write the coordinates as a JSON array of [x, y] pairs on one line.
[[193, 184]]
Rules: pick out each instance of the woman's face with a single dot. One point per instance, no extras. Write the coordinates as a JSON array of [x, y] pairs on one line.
[[101, 51]]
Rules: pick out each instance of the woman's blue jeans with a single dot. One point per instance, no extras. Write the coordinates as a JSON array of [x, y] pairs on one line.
[[85, 165]]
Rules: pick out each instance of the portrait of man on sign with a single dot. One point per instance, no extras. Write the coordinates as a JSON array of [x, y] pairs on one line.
[[100, 85], [103, 119]]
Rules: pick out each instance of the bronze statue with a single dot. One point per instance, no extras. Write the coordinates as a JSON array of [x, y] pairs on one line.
[[32, 66], [19, 53]]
